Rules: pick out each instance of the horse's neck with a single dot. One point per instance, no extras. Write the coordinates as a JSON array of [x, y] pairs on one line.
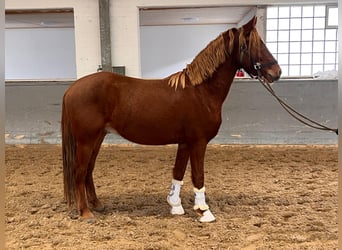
[[219, 84]]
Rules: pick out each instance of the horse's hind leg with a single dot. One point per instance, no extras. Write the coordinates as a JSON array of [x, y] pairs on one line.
[[89, 182], [83, 155], [173, 198]]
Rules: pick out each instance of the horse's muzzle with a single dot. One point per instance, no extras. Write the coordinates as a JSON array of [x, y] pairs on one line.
[[272, 76]]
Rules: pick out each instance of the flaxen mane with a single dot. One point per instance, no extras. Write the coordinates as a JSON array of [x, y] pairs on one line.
[[205, 63], [208, 60]]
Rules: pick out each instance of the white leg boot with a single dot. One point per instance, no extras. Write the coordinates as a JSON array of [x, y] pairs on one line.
[[173, 198], [201, 206]]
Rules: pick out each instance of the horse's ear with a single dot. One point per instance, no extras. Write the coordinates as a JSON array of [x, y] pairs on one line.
[[248, 27]]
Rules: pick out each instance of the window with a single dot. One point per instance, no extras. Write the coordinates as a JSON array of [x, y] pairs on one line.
[[303, 38]]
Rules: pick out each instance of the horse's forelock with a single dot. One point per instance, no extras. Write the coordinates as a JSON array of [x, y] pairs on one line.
[[254, 41], [231, 41]]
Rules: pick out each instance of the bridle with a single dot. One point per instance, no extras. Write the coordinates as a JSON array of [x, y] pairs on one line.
[[295, 114], [256, 64]]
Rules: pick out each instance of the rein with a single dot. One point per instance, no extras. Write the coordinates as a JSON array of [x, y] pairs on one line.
[[295, 114]]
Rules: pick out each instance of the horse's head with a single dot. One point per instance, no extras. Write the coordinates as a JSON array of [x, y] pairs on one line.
[[253, 55]]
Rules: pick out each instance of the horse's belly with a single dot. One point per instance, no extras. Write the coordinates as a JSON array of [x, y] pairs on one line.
[[146, 135]]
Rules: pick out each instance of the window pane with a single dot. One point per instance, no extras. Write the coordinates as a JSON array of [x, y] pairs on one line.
[[329, 58], [307, 47], [296, 11], [306, 35], [283, 47], [284, 11], [317, 58], [319, 23], [318, 46], [272, 24], [307, 11], [283, 35], [294, 70], [284, 70], [330, 34], [294, 58], [306, 59], [283, 59], [320, 11], [318, 35], [295, 35], [330, 46], [272, 36], [307, 23], [295, 47], [272, 12], [272, 47], [296, 23], [329, 67], [284, 24], [317, 68], [306, 70]]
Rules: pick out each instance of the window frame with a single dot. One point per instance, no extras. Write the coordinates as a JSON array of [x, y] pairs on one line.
[[327, 14]]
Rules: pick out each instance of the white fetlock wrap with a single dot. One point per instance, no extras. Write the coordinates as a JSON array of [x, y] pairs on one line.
[[200, 204], [200, 199], [173, 198]]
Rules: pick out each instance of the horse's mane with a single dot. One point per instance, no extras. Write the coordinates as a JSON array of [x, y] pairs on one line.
[[205, 63], [211, 57]]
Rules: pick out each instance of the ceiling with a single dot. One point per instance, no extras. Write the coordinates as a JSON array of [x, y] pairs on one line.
[[199, 15], [147, 17], [35, 19]]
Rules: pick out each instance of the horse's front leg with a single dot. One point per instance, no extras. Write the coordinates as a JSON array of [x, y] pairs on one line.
[[173, 198], [197, 153]]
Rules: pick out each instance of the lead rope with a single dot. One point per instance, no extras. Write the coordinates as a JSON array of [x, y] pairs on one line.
[[295, 114]]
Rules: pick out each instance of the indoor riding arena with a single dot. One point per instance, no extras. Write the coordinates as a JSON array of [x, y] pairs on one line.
[[269, 181]]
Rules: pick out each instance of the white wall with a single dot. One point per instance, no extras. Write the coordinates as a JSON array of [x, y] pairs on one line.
[[167, 49], [47, 53], [86, 20]]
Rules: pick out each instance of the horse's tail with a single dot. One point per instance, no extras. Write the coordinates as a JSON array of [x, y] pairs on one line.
[[68, 152]]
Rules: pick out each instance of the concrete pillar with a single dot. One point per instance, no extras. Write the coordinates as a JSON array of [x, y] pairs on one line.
[[106, 52]]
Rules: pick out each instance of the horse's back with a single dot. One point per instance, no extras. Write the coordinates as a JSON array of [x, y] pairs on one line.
[[94, 81]]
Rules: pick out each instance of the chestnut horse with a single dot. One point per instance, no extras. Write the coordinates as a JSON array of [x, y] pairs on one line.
[[184, 109]]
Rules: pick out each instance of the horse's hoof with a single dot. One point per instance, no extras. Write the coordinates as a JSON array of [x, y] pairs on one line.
[[206, 216], [91, 220], [100, 208], [177, 210], [88, 216]]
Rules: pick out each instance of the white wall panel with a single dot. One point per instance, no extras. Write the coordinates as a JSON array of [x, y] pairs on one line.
[[87, 37], [40, 54], [167, 49]]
